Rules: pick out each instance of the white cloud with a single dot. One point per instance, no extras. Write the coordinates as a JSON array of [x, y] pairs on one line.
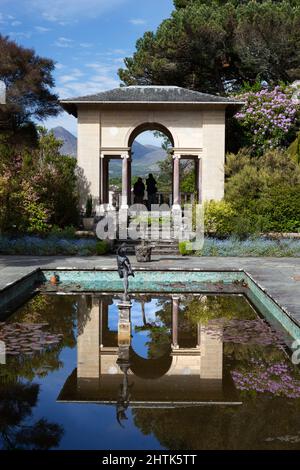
[[86, 44], [103, 68], [41, 29], [73, 75], [19, 34], [95, 84], [137, 21], [119, 51], [64, 42], [16, 23], [69, 9]]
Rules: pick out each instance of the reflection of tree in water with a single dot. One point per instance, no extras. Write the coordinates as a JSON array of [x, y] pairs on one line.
[[158, 332], [257, 424], [17, 399], [60, 314], [203, 308], [16, 403], [261, 422]]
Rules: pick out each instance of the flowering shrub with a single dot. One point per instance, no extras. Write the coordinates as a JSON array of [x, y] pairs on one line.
[[51, 246], [250, 247], [268, 116], [273, 378], [38, 186]]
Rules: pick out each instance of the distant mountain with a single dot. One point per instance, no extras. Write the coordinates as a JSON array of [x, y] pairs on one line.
[[70, 141], [144, 157], [144, 160]]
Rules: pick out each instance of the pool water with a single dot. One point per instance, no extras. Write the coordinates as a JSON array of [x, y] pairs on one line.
[[196, 372]]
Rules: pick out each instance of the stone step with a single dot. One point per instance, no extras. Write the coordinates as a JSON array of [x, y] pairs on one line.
[[158, 248]]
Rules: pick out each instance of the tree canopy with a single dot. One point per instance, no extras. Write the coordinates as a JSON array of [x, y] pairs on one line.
[[212, 46], [28, 79]]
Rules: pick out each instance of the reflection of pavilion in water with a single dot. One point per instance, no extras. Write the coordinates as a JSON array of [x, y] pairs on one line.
[[190, 373]]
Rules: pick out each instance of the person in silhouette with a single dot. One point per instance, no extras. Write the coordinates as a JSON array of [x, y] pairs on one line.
[[139, 191], [151, 190]]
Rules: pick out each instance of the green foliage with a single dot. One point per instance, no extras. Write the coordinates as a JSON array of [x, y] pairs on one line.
[[182, 247], [264, 191], [280, 209], [38, 186], [102, 247], [294, 149], [219, 217], [205, 45], [68, 232], [28, 78]]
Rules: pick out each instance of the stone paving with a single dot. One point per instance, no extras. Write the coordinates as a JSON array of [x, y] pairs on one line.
[[279, 276]]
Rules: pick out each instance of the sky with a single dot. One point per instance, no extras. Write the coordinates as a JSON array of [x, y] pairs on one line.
[[87, 39]]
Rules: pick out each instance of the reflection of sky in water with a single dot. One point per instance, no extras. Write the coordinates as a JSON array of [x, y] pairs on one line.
[[151, 308], [256, 373], [139, 338]]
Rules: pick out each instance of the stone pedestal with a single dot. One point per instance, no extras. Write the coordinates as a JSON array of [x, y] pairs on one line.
[[124, 325], [143, 253]]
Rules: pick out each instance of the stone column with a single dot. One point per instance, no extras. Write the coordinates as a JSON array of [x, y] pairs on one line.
[[129, 181], [196, 169], [199, 182], [176, 182], [175, 311], [105, 180], [125, 165], [101, 180]]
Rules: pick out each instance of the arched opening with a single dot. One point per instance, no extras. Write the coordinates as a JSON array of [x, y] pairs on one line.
[[148, 126], [151, 147], [149, 368], [176, 175]]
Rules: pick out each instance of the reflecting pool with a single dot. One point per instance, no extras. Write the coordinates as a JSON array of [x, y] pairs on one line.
[[193, 371]]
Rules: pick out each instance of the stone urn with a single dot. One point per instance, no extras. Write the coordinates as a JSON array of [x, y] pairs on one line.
[[88, 223], [143, 253]]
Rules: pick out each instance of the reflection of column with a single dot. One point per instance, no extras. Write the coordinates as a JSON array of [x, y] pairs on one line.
[[88, 341], [198, 335], [124, 326], [125, 164], [199, 183], [175, 311], [176, 182], [101, 323], [211, 352]]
